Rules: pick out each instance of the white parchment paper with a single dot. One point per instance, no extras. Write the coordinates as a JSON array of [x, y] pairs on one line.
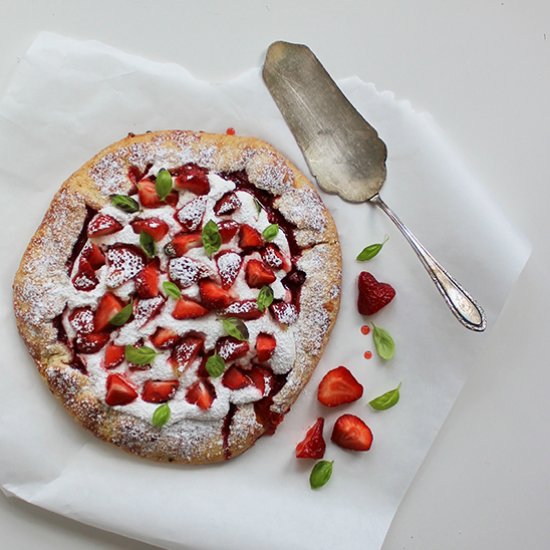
[[67, 100]]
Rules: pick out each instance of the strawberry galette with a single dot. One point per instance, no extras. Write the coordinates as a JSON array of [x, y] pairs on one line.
[[179, 293]]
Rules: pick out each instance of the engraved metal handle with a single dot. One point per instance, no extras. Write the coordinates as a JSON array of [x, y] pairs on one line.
[[464, 307]]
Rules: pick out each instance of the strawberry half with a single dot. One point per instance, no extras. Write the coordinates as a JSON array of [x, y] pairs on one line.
[[265, 346], [147, 281], [229, 348], [258, 274], [164, 338], [186, 352], [148, 195], [235, 379], [103, 224], [350, 432], [186, 308], [152, 226], [92, 253], [147, 308], [114, 355], [313, 445], [284, 312], [373, 295], [186, 271], [202, 394], [124, 263], [339, 386], [228, 229], [243, 309], [227, 204], [249, 237], [229, 265], [214, 296], [180, 244], [193, 178], [108, 307], [90, 343], [119, 391], [262, 379], [85, 278], [274, 258], [191, 214], [159, 391], [82, 320]]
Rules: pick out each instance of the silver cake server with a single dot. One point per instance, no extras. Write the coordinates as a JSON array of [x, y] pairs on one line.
[[345, 154]]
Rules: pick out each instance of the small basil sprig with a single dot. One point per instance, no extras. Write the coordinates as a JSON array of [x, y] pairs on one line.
[[163, 184], [258, 205], [161, 415], [386, 400], [171, 289], [369, 252], [320, 474], [270, 232], [139, 356], [211, 238], [265, 298], [215, 365], [236, 328], [383, 342], [125, 203], [147, 244], [122, 316]]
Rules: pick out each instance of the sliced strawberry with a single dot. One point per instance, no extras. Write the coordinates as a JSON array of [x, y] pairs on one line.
[[373, 295], [93, 254], [337, 387], [313, 445], [159, 391], [193, 178], [227, 204], [350, 432], [180, 244], [265, 346], [186, 308], [148, 195], [90, 343], [274, 258], [249, 237], [186, 352], [85, 278], [191, 214], [229, 265], [214, 296], [229, 348], [82, 320], [228, 229], [147, 308], [243, 309], [119, 390], [147, 281], [186, 272], [235, 379], [152, 226], [114, 355], [284, 312], [262, 379], [202, 394], [103, 224], [108, 307], [164, 338], [124, 262], [258, 274]]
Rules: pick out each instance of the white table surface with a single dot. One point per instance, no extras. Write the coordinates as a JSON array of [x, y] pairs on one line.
[[482, 69]]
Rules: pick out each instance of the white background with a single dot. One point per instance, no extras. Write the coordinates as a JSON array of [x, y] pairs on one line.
[[481, 68]]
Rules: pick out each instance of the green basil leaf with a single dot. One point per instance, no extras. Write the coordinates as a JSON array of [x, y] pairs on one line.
[[236, 328], [258, 205], [172, 290], [147, 244], [122, 316], [161, 415], [270, 232], [215, 365], [369, 252], [211, 238], [125, 203], [265, 298], [139, 356], [386, 400], [320, 474], [163, 184], [383, 342]]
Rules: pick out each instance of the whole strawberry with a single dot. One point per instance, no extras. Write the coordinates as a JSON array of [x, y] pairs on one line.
[[373, 296]]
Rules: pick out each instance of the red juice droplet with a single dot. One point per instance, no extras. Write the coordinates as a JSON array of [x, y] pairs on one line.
[[230, 131], [367, 355], [365, 329]]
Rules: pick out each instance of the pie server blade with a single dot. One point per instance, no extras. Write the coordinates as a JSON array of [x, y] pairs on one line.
[[345, 154]]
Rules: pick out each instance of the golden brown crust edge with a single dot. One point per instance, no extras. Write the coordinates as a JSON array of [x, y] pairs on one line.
[[42, 272]]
